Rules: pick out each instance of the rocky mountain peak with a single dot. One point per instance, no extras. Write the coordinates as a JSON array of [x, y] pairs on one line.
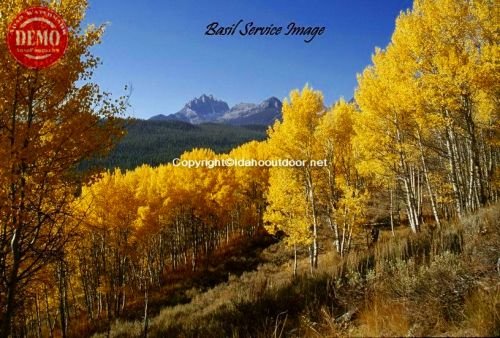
[[206, 105], [206, 108], [272, 102]]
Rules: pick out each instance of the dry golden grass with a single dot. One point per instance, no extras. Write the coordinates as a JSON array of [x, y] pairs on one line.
[[437, 283], [482, 310], [382, 318]]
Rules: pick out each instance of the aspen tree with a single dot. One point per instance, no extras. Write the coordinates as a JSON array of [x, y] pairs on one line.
[[294, 139], [50, 120]]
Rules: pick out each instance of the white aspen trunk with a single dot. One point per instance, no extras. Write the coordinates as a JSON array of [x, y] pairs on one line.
[[63, 301], [350, 237], [342, 244], [331, 216], [428, 183], [146, 319], [410, 207], [38, 318], [418, 197], [335, 229], [477, 173], [469, 192], [312, 200], [294, 260], [311, 258], [454, 177], [391, 212], [409, 182]]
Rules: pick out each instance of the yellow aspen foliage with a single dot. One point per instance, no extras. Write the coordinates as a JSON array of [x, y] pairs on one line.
[[50, 120], [252, 182], [288, 208], [294, 139], [343, 190], [429, 106]]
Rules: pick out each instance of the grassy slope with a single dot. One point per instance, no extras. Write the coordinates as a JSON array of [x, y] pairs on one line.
[[437, 283]]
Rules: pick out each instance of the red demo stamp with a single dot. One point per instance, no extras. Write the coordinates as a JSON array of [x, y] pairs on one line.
[[38, 37]]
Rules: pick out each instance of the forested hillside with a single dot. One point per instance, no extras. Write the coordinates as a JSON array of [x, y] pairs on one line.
[[396, 233], [156, 142]]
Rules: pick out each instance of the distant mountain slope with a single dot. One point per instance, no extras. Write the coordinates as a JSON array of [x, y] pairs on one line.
[[157, 142], [207, 109], [263, 114]]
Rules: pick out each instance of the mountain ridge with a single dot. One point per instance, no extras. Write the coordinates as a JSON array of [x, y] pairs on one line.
[[207, 109]]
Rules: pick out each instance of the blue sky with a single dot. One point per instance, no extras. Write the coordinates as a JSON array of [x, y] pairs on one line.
[[159, 47]]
